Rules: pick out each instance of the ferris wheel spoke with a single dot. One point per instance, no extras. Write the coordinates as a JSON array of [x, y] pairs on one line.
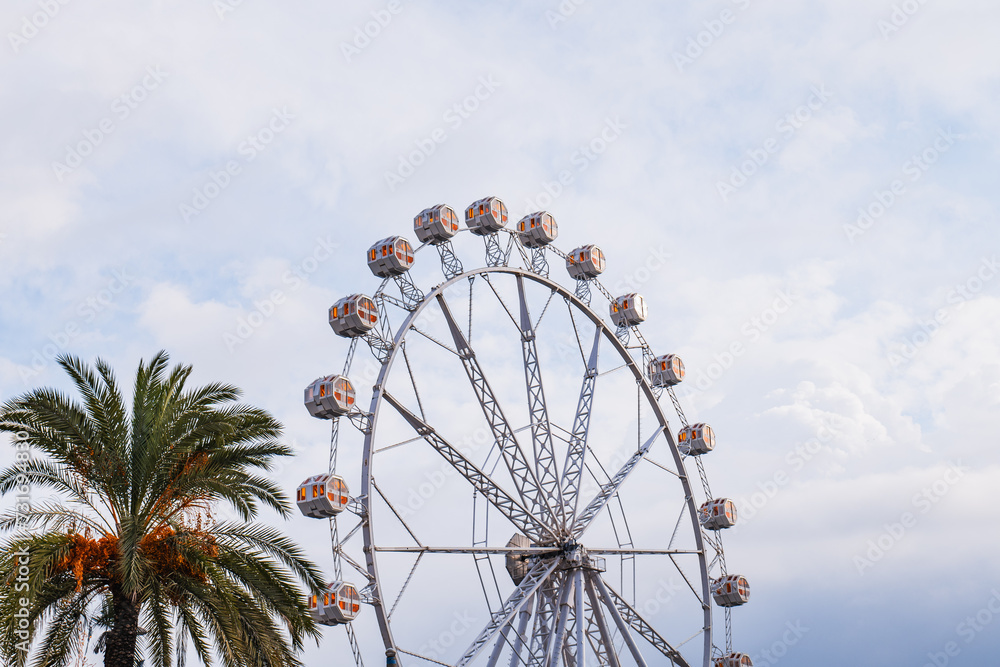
[[677, 526], [686, 580], [433, 340], [503, 641], [353, 563], [514, 511], [602, 641], [558, 637], [522, 627], [596, 585], [477, 551], [635, 620], [661, 467], [423, 657], [577, 451], [545, 620], [607, 491], [579, 614], [541, 429], [517, 463], [413, 380], [347, 538], [396, 513], [502, 302], [545, 309], [642, 552], [538, 575]]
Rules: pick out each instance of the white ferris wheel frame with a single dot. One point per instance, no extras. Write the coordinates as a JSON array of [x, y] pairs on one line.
[[581, 581]]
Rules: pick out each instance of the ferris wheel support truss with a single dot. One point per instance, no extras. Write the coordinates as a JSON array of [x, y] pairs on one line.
[[577, 451], [529, 586], [515, 512], [517, 463], [585, 518], [541, 428]]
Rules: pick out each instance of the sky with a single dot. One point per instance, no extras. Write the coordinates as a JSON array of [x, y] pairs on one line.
[[801, 191]]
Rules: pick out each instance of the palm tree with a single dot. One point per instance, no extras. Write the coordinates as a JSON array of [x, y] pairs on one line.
[[130, 538]]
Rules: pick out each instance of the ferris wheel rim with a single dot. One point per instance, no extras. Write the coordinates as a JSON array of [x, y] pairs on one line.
[[379, 398]]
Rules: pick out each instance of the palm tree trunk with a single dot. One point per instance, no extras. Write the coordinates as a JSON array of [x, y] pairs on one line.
[[120, 649]]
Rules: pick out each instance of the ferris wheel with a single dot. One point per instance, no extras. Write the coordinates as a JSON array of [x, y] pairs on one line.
[[506, 515]]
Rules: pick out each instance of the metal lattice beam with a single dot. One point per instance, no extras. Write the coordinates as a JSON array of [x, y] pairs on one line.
[[521, 470], [496, 255], [595, 582], [557, 638], [412, 295], [643, 628], [522, 627], [498, 649], [451, 265], [539, 263], [601, 640], [545, 619], [610, 489], [515, 512], [541, 428], [582, 291], [580, 615], [520, 597], [577, 450]]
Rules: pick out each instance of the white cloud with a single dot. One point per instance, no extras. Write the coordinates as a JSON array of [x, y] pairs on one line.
[[652, 193]]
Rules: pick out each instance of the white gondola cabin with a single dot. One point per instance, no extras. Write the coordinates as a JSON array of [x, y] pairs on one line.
[[390, 257], [718, 514], [486, 216], [585, 262], [629, 310], [537, 229], [329, 397], [734, 660], [666, 371], [731, 590], [436, 224], [353, 316], [518, 565], [696, 439], [322, 496], [340, 604]]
